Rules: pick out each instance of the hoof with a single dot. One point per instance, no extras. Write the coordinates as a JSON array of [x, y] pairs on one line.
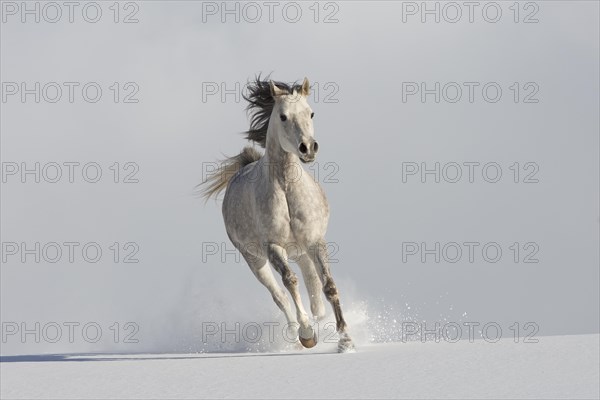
[[308, 343], [346, 345]]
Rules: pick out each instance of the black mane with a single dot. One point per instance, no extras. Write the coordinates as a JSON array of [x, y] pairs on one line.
[[260, 106]]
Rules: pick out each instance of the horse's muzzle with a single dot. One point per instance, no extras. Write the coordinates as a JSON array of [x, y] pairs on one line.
[[308, 150], [307, 160]]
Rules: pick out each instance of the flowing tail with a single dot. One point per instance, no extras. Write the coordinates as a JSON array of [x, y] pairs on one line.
[[218, 180]]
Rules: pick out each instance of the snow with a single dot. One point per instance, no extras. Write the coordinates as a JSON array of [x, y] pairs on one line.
[[555, 367]]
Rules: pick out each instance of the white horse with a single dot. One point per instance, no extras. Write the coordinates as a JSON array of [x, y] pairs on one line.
[[273, 209]]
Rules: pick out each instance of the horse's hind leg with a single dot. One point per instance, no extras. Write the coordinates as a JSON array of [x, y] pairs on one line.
[[278, 259], [313, 286], [261, 269], [318, 254]]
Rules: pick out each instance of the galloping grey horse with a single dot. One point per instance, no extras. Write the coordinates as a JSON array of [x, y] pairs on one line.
[[273, 209]]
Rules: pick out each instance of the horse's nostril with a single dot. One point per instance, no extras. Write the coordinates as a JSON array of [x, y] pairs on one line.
[[315, 147], [303, 149]]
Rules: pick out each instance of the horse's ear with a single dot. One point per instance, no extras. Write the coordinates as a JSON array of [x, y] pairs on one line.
[[305, 87], [275, 91]]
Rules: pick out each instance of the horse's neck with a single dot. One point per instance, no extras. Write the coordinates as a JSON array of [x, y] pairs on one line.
[[281, 167]]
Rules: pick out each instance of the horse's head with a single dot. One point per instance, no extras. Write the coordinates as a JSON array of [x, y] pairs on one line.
[[292, 120]]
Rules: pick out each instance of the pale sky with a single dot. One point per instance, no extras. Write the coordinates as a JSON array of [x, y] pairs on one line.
[[375, 138]]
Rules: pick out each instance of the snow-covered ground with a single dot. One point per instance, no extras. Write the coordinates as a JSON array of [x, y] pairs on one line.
[[555, 367]]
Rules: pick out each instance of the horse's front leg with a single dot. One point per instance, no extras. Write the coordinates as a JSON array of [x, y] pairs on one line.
[[318, 253], [278, 259], [313, 286]]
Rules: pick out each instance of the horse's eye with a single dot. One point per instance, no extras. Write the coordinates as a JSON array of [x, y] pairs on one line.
[[312, 114], [283, 117]]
